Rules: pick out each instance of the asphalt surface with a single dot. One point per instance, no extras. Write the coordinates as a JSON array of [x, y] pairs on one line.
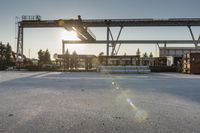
[[43, 102]]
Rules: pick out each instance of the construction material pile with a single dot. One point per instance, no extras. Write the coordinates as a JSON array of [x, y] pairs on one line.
[[124, 69]]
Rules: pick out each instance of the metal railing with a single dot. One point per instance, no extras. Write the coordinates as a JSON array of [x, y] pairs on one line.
[[31, 18]]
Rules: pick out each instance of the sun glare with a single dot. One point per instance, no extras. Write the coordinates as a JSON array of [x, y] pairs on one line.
[[69, 35], [72, 36]]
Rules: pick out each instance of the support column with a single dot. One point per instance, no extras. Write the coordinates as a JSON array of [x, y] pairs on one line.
[[63, 47], [158, 49], [165, 46], [114, 42], [19, 44], [193, 38], [107, 51]]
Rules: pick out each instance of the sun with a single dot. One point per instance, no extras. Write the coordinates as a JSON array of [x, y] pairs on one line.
[[72, 36], [69, 35]]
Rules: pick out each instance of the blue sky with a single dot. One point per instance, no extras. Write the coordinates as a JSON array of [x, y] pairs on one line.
[[35, 39]]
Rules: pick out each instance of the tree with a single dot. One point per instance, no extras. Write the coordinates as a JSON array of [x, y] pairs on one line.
[[47, 57], [2, 52], [8, 52], [40, 56], [151, 55], [138, 52], [100, 58], [44, 57], [145, 55], [74, 60], [101, 54], [5, 55], [2, 57], [66, 59]]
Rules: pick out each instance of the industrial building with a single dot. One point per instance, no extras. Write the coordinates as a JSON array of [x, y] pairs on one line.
[[176, 51]]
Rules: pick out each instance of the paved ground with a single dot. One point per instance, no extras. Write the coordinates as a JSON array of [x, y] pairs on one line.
[[92, 102]]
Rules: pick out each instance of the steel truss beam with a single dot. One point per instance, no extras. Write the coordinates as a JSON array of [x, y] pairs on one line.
[[132, 42], [113, 22]]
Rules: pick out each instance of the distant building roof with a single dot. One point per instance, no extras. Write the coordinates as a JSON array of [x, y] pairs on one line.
[[123, 56], [177, 51], [179, 48]]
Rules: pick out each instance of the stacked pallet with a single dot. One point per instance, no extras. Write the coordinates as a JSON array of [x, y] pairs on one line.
[[124, 69], [191, 63]]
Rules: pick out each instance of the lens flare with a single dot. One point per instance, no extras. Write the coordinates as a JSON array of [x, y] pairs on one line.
[[130, 102], [140, 115], [115, 85]]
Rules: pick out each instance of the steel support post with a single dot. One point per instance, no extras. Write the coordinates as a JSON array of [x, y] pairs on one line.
[[19, 44], [165, 46], [107, 52], [193, 38], [198, 41], [114, 49], [158, 47], [63, 47], [118, 48], [114, 42]]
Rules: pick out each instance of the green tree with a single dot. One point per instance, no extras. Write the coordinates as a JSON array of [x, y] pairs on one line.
[[47, 57], [145, 55], [138, 52], [2, 52], [66, 59], [40, 57], [8, 52], [44, 57], [100, 58], [2, 57], [74, 60], [5, 55], [151, 55]]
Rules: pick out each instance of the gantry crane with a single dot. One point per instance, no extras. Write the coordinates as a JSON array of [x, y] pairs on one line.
[[81, 27]]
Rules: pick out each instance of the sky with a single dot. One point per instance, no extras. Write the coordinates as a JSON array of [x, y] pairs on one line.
[[51, 38]]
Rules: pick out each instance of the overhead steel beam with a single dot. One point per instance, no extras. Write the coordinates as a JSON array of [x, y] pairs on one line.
[[113, 22], [40, 24], [141, 22], [132, 42]]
